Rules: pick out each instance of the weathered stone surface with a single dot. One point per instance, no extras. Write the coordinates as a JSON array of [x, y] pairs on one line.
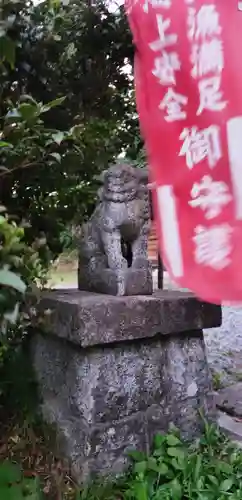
[[186, 365], [231, 427], [113, 371], [113, 243], [89, 319], [229, 400], [107, 281], [133, 374]]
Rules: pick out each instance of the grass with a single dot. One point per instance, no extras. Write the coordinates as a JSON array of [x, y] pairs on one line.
[[30, 445], [63, 274], [24, 439], [59, 278], [208, 469], [217, 380]]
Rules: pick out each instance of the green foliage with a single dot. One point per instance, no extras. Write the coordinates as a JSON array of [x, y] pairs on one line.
[[20, 267], [209, 469], [13, 486], [26, 143], [217, 379], [50, 155], [26, 146], [18, 387], [29, 149], [141, 158]]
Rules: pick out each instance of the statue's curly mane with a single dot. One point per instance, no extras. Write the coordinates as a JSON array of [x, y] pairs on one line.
[[121, 183]]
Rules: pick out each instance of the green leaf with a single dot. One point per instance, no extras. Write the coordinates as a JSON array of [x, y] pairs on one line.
[[152, 464], [225, 467], [13, 315], [57, 156], [160, 468], [7, 51], [28, 111], [163, 469], [27, 489], [57, 38], [27, 97], [227, 484], [140, 490], [176, 490], [13, 115], [31, 489], [136, 456], [198, 467], [213, 480], [9, 473], [140, 467], [176, 452], [52, 104], [58, 137], [172, 440], [4, 144], [177, 465], [11, 493], [159, 439], [8, 278], [200, 483], [76, 131], [3, 30]]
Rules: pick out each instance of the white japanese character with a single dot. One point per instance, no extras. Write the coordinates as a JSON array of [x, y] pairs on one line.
[[204, 23], [191, 22], [211, 196], [207, 57], [208, 21], [213, 246], [165, 67], [210, 95], [173, 103], [164, 39], [166, 4], [201, 144]]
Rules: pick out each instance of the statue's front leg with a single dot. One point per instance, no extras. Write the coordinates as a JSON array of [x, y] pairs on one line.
[[140, 247], [116, 262], [113, 250]]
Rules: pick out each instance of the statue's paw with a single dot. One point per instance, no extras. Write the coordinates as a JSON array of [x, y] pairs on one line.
[[121, 288], [123, 265]]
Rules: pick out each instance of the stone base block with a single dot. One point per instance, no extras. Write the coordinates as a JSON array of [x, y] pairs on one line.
[[111, 380], [105, 401], [127, 282]]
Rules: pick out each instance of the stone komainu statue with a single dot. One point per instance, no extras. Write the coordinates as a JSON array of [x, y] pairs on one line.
[[113, 243]]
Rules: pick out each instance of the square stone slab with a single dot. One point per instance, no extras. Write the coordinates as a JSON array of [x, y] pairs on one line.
[[89, 319]]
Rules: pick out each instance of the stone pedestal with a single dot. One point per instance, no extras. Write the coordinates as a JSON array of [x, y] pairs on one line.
[[114, 371], [127, 282]]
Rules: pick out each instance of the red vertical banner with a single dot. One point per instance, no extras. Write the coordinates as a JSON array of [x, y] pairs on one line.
[[188, 76]]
